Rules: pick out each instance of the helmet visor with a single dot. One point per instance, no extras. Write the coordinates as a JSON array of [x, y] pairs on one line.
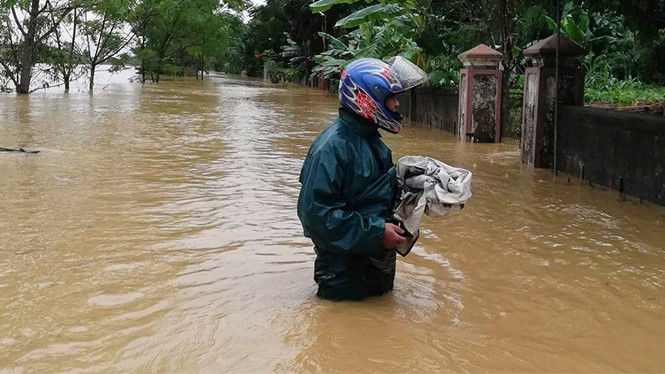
[[410, 75]]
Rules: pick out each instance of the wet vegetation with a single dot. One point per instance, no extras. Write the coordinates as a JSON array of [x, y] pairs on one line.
[[44, 41], [625, 39], [300, 40]]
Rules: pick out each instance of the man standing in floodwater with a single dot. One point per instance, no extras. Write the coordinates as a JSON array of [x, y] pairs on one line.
[[348, 183]]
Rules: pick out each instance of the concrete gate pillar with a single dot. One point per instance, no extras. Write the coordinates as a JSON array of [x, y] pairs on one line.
[[479, 111], [539, 93], [322, 84]]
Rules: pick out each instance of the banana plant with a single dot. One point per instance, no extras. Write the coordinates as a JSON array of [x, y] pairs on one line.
[[296, 53], [365, 41], [382, 10], [574, 23]]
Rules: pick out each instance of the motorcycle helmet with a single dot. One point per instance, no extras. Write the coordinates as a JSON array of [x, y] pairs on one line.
[[366, 83]]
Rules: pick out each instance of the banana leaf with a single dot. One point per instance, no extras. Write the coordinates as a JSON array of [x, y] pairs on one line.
[[323, 5], [332, 41], [373, 12]]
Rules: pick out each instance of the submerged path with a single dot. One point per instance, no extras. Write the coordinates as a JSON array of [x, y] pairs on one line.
[[156, 231]]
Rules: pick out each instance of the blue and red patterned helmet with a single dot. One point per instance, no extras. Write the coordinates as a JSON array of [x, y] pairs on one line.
[[366, 83]]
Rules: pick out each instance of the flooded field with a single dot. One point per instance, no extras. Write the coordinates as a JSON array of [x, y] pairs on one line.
[[156, 231]]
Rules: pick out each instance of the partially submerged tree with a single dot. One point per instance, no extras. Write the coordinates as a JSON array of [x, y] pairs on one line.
[[105, 32], [24, 29], [65, 55], [172, 34], [164, 23], [209, 35]]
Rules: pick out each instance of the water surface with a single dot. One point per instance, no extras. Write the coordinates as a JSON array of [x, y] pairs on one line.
[[156, 232]]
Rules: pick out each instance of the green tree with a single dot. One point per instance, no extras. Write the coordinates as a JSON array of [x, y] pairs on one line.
[[210, 35], [104, 31], [232, 58], [174, 33], [265, 35], [24, 29], [65, 55]]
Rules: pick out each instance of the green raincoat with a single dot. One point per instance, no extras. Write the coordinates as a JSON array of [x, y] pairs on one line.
[[348, 193]]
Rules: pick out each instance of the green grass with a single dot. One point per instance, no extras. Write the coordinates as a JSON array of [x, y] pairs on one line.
[[630, 91], [600, 85]]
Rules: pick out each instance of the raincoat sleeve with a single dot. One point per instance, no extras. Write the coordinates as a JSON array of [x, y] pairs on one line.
[[325, 214]]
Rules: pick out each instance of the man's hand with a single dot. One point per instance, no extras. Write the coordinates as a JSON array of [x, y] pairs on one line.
[[391, 236]]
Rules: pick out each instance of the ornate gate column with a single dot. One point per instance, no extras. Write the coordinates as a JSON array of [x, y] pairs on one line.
[[479, 113], [540, 91]]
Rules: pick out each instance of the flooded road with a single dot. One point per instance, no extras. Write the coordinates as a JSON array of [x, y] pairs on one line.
[[157, 232]]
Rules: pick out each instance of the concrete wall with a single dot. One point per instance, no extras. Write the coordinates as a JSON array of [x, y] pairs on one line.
[[435, 107], [622, 151]]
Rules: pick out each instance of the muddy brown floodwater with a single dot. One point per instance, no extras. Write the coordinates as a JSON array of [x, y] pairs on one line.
[[156, 231]]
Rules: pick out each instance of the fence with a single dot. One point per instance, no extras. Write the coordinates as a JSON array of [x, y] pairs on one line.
[[622, 151]]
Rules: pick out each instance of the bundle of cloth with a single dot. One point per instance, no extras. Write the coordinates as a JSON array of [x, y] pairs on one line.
[[427, 186]]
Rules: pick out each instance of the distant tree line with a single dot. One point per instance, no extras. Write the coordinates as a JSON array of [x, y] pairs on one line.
[[304, 39], [301, 40], [60, 40]]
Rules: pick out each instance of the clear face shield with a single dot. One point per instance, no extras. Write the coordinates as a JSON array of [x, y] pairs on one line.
[[410, 74]]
